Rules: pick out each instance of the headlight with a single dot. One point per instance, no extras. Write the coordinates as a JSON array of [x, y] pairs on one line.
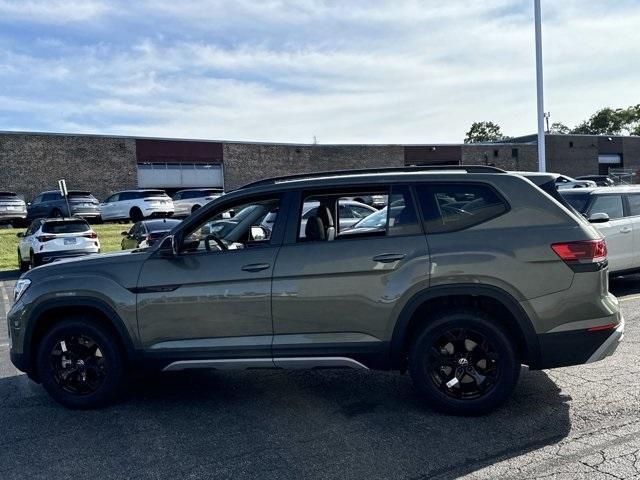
[[20, 288]]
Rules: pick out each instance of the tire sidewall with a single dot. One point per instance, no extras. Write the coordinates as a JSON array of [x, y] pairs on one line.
[[110, 351], [509, 365]]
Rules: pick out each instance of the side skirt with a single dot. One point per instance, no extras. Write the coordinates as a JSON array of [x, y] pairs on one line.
[[278, 362]]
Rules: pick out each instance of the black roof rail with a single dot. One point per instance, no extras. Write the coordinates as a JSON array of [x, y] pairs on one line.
[[364, 171]]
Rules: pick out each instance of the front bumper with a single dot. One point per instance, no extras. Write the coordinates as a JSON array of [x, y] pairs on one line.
[[12, 215]]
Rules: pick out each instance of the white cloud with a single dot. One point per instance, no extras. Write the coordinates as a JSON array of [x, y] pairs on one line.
[[52, 11], [379, 72]]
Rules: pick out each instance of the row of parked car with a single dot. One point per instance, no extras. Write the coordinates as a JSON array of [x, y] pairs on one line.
[[126, 205]]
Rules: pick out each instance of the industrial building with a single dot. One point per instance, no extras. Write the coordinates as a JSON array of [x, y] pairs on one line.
[[32, 162]]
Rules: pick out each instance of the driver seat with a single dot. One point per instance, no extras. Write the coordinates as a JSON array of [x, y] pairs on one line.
[[320, 227]]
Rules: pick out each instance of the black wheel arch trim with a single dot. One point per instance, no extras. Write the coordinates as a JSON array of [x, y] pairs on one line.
[[524, 324], [114, 320]]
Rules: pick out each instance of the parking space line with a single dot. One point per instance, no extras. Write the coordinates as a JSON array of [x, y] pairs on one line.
[[627, 299]]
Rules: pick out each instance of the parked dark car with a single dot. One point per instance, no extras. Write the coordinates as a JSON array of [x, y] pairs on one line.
[[147, 232], [12, 208], [53, 205], [601, 180]]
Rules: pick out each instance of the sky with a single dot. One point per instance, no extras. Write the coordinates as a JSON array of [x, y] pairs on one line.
[[345, 71]]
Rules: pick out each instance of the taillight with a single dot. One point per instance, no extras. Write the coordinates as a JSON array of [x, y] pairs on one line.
[[91, 234], [45, 238], [587, 252]]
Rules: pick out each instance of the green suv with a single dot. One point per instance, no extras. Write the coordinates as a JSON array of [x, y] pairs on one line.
[[465, 275]]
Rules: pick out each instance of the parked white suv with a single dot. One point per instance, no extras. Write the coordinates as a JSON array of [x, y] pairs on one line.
[[49, 239], [564, 182], [615, 212], [136, 205], [188, 201]]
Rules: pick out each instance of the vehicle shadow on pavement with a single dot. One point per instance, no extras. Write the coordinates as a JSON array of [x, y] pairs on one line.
[[9, 275], [627, 285], [270, 424]]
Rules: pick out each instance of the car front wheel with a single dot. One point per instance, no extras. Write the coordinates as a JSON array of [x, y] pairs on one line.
[[80, 363], [463, 363]]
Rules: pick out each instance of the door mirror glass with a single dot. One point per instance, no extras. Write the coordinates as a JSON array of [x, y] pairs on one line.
[[259, 233], [20, 234], [124, 234], [598, 218]]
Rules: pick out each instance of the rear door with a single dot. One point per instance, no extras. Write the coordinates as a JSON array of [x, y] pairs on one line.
[[337, 297], [618, 231], [108, 207]]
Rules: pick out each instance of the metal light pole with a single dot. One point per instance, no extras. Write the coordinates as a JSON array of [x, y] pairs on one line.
[[542, 163]]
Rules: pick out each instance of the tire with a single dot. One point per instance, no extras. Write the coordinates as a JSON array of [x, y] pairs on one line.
[[194, 208], [56, 213], [434, 363], [103, 373], [135, 214], [33, 260], [22, 265]]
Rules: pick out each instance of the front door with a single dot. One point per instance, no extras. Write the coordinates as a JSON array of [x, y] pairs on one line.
[[336, 293], [213, 299]]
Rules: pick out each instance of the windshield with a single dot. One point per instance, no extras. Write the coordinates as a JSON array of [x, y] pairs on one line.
[[375, 220], [73, 226]]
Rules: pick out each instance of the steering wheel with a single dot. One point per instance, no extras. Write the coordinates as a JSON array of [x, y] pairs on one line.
[[220, 243]]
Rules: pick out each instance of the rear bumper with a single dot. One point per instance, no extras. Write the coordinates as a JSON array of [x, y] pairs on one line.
[[13, 215], [48, 257], [577, 347]]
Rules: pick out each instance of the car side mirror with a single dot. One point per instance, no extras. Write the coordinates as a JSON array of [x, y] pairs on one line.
[[258, 233], [124, 234], [168, 247], [598, 218], [20, 234]]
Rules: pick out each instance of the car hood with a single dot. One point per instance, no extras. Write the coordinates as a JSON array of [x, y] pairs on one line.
[[124, 265]]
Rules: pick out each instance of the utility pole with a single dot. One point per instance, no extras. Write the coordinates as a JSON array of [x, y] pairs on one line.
[[542, 163]]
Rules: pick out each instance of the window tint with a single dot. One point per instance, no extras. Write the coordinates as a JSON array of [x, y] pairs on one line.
[[634, 205], [344, 212], [450, 207], [576, 200], [360, 212], [609, 204], [73, 226], [402, 218], [48, 197], [125, 196], [38, 199]]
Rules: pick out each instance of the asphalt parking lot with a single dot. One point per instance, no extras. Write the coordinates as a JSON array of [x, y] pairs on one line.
[[578, 422]]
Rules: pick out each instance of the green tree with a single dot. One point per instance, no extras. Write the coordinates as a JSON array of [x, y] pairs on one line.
[[558, 128], [483, 132]]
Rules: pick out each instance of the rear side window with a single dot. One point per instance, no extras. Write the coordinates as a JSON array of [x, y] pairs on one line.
[[48, 197], [578, 201], [74, 226], [634, 205], [451, 207], [609, 204]]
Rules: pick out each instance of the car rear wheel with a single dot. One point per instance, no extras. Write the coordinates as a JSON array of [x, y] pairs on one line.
[[34, 261], [80, 363], [22, 265], [463, 363], [136, 214]]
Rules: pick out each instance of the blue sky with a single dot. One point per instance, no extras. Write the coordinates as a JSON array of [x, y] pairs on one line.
[[343, 71]]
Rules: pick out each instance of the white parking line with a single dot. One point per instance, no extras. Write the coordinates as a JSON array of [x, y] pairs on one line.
[[632, 297]]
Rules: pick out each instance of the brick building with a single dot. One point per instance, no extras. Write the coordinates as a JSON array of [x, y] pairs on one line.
[[32, 162]]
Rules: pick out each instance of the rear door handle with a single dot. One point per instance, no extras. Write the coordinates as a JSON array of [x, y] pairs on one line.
[[626, 230], [255, 267], [389, 257]]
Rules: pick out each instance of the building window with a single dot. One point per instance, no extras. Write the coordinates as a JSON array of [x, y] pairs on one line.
[[570, 144], [514, 153], [495, 153]]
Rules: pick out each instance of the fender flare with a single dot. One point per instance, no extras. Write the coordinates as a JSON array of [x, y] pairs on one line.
[[524, 324], [114, 320]]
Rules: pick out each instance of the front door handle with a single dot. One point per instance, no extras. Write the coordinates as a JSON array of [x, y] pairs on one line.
[[255, 267], [389, 257], [625, 230]]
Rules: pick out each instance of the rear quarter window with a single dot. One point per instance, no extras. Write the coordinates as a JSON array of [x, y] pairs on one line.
[[450, 207]]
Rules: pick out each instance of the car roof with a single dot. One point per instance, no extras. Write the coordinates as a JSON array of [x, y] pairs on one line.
[[139, 190], [217, 189], [63, 220], [69, 191], [603, 190]]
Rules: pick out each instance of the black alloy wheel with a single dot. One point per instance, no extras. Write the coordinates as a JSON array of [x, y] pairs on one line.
[[77, 363]]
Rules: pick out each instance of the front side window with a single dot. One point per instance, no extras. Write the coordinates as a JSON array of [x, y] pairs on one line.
[[609, 204], [451, 207], [578, 201], [235, 227]]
